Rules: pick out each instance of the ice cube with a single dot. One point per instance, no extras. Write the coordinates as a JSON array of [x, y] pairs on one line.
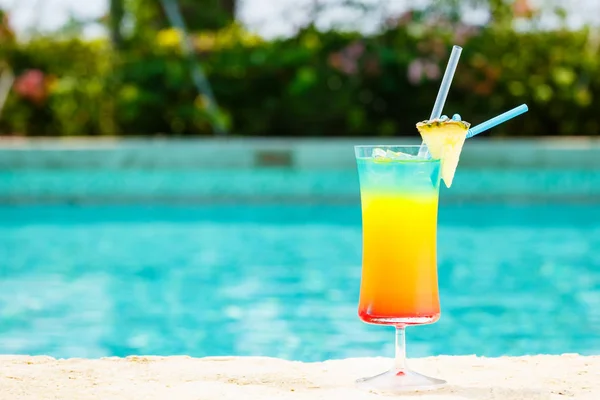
[[379, 153], [398, 155]]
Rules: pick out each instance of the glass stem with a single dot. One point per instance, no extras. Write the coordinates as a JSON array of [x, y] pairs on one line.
[[400, 359]]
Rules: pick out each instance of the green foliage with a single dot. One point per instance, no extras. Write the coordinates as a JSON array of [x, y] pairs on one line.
[[148, 16], [75, 93], [315, 83]]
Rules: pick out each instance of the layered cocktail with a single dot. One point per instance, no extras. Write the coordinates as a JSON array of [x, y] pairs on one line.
[[399, 199], [399, 188]]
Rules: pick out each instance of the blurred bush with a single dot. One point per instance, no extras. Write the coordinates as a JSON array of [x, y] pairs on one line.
[[315, 83]]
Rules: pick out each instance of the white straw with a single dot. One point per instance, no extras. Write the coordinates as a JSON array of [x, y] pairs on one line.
[[438, 106]]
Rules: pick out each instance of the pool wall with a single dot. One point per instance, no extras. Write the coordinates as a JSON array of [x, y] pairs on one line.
[[126, 170]]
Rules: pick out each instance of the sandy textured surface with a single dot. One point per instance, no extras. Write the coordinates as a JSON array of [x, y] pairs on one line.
[[183, 378]]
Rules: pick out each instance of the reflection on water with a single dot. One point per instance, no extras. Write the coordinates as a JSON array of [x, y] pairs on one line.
[[283, 281]]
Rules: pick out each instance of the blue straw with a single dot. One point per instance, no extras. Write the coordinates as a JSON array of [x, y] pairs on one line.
[[490, 123]]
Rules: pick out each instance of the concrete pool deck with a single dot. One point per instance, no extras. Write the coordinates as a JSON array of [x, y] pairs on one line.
[[568, 376]]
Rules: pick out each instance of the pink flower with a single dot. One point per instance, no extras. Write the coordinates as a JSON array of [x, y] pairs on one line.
[[355, 50], [31, 85], [522, 8], [415, 71], [347, 59], [432, 71], [419, 69]]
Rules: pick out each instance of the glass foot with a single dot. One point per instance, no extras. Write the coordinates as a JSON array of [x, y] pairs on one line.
[[399, 381]]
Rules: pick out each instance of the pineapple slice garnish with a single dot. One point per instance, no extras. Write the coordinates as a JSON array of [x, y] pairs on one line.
[[444, 139]]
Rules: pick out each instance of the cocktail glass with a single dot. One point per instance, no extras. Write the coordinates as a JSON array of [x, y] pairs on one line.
[[399, 286]]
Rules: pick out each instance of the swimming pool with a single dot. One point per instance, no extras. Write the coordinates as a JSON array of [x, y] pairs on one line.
[[114, 263], [254, 248]]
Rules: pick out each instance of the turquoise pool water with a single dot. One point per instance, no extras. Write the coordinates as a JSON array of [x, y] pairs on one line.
[[280, 278]]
